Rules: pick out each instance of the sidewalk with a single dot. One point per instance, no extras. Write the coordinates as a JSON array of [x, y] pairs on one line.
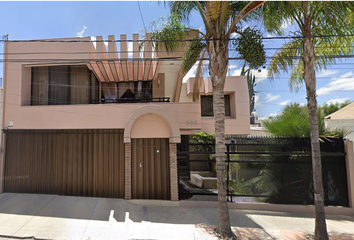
[[62, 217]]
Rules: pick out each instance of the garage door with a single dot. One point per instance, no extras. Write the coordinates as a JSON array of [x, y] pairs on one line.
[[150, 168], [65, 162]]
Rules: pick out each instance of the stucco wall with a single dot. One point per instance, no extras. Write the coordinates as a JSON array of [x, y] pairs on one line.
[[17, 94], [347, 124]]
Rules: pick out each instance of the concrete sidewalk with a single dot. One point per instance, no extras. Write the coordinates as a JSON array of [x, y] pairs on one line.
[[63, 217]]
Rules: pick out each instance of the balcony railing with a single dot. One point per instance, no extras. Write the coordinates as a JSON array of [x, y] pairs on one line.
[[130, 100]]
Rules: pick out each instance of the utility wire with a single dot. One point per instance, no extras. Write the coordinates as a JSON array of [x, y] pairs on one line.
[[87, 52], [141, 15], [173, 40], [81, 60]]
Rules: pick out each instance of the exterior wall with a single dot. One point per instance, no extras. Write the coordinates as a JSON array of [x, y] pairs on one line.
[[171, 75], [236, 87], [259, 131], [164, 120], [107, 116], [150, 126], [239, 122], [343, 113], [184, 97], [94, 116], [342, 123], [349, 157]]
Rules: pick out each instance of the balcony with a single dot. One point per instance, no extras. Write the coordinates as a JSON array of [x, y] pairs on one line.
[[131, 100]]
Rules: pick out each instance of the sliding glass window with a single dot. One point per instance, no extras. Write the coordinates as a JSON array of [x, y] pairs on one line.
[[62, 85]]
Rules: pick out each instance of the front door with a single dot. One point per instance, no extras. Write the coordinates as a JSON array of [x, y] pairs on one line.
[[150, 168]]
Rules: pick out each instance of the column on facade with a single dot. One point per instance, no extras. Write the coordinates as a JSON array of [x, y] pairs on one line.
[[173, 172], [127, 171]]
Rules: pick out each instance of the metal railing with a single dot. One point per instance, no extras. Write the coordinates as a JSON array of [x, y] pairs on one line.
[[271, 170], [130, 100]]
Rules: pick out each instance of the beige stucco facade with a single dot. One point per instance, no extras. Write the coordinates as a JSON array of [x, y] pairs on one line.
[[184, 113], [343, 118], [113, 64]]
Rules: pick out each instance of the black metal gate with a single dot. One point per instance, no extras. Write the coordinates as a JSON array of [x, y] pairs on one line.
[[271, 170]]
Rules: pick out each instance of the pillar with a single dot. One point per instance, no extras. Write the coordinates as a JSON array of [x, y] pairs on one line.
[[173, 172], [127, 171]]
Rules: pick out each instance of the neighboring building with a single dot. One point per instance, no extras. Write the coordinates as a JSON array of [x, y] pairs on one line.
[[256, 128], [79, 120], [343, 118]]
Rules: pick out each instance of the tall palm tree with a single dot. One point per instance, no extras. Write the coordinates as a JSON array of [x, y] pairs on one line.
[[220, 21], [331, 20], [251, 82]]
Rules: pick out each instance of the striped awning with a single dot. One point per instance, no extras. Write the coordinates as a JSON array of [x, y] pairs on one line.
[[133, 70], [109, 67]]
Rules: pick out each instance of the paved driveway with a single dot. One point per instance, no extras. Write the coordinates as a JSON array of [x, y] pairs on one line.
[[63, 217]]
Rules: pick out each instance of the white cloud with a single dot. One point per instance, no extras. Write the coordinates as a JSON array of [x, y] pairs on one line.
[[286, 102], [260, 76], [274, 114], [326, 73], [130, 49], [79, 34], [106, 44], [270, 98], [302, 104], [337, 100], [342, 83]]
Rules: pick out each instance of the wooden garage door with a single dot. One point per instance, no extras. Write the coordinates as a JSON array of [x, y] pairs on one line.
[[66, 162], [150, 168]]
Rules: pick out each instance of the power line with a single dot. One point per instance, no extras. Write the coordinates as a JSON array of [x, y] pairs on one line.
[[141, 15], [172, 40], [151, 59], [176, 51]]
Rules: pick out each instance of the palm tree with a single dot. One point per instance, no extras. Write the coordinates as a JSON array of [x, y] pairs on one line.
[[251, 82], [220, 21], [333, 21], [293, 122]]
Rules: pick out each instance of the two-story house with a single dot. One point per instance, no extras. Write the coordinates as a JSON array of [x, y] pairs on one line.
[[82, 120]]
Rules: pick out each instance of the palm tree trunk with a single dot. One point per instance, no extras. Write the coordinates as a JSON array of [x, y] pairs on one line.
[[218, 54], [310, 81], [219, 113]]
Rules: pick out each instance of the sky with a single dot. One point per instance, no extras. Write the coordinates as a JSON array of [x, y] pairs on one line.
[[38, 20]]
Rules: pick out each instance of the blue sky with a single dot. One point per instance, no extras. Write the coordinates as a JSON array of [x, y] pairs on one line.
[[36, 20]]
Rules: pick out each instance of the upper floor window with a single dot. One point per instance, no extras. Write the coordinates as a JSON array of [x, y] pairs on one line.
[[133, 91], [206, 103], [61, 85]]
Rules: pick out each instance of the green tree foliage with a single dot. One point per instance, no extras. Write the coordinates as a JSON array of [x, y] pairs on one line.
[[251, 82], [294, 122], [250, 45], [324, 29], [333, 107], [220, 19]]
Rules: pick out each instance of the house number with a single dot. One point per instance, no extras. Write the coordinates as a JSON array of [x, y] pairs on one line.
[[192, 123]]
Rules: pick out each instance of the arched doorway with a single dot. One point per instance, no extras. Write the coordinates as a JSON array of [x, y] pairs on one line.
[[150, 138], [150, 158]]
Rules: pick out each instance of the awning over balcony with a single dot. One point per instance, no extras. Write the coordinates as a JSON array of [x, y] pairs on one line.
[[116, 71], [109, 67]]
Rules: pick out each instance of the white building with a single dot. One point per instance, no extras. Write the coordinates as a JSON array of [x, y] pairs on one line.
[[343, 118]]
